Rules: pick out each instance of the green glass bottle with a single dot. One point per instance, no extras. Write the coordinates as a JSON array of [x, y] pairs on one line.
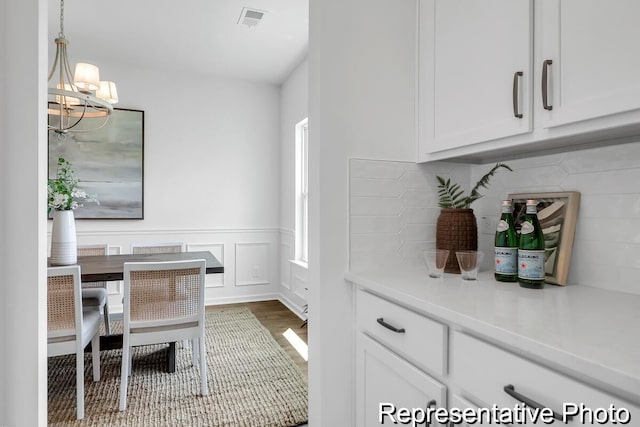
[[506, 246], [531, 249]]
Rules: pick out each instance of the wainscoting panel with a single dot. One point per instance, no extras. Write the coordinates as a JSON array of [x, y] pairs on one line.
[[286, 254], [252, 260], [293, 276]]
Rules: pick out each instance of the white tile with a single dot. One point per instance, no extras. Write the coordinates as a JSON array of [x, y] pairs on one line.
[[360, 168], [624, 181], [610, 206], [376, 206], [417, 232], [361, 187], [610, 230], [525, 179], [417, 198], [615, 157], [375, 242], [418, 179], [420, 215], [375, 224]]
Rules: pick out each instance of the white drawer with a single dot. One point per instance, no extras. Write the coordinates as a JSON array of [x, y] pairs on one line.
[[417, 338], [482, 371]]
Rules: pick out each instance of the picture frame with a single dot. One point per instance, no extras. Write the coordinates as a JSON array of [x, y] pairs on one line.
[[557, 213], [109, 163]]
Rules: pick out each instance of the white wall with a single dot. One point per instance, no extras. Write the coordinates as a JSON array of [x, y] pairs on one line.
[[606, 251], [211, 176], [22, 222], [361, 92], [294, 107]]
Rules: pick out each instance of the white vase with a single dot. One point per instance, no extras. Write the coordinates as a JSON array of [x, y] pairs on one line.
[[64, 247]]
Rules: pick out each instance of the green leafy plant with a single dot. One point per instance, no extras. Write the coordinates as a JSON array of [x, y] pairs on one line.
[[63, 193], [452, 195]]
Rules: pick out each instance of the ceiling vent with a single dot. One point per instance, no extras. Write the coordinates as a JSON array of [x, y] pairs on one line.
[[251, 17]]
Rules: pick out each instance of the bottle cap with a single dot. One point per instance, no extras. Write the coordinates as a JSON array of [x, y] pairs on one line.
[[506, 203], [532, 202]]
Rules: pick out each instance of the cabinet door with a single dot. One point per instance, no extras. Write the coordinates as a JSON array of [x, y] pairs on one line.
[[595, 66], [384, 379], [469, 54]]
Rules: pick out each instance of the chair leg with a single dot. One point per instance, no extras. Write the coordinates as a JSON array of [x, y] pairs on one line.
[[95, 353], [124, 372], [204, 388], [194, 352], [80, 383], [105, 311]]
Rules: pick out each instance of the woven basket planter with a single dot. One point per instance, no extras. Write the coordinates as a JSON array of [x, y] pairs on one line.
[[456, 230]]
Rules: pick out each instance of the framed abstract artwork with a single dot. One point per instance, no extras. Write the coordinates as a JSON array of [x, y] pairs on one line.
[[109, 162], [557, 213]]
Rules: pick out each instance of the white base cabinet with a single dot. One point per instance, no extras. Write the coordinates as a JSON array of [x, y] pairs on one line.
[[412, 354], [394, 349]]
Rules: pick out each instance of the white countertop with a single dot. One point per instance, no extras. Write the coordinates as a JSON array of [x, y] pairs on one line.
[[592, 333]]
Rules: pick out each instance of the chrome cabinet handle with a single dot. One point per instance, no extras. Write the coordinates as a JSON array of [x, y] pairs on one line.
[[545, 84], [511, 391], [381, 321], [516, 86]]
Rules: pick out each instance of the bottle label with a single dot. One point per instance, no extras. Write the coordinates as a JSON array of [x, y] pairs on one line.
[[527, 228], [531, 264], [506, 260], [502, 226]]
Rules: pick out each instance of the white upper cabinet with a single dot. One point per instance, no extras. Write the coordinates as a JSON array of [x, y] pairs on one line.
[[591, 48], [579, 81], [475, 64]]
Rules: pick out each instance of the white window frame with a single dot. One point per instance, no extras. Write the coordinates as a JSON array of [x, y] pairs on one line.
[[302, 191]]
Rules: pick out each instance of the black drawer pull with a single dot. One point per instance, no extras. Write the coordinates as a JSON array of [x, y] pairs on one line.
[[431, 405], [516, 96], [511, 391], [545, 84], [390, 327]]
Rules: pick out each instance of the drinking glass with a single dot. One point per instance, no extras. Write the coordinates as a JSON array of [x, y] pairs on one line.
[[469, 261], [436, 260]]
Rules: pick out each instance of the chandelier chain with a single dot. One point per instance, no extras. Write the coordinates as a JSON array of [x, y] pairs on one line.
[[61, 33]]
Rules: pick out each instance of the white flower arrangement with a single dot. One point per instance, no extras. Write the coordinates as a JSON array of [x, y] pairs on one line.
[[63, 193]]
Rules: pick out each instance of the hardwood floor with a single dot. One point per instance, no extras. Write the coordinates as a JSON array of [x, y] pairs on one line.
[[277, 318]]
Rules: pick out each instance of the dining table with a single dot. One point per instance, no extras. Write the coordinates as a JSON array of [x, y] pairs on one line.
[[107, 268]]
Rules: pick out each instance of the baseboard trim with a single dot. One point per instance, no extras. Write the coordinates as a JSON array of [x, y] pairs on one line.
[[295, 308]]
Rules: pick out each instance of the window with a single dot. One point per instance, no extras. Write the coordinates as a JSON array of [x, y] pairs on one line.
[[302, 191]]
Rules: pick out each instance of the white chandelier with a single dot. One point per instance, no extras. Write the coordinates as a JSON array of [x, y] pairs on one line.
[[74, 97]]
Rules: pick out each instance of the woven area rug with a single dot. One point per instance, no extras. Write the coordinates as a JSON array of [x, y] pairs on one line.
[[252, 382]]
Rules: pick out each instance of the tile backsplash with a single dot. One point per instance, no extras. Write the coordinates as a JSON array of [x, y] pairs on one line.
[[606, 248], [394, 209]]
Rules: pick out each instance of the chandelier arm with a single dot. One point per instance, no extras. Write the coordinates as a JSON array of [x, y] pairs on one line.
[[55, 65], [66, 68], [84, 110], [106, 119]]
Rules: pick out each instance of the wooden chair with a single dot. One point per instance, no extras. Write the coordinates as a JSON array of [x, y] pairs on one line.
[[94, 294], [163, 302], [157, 248], [69, 329]]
